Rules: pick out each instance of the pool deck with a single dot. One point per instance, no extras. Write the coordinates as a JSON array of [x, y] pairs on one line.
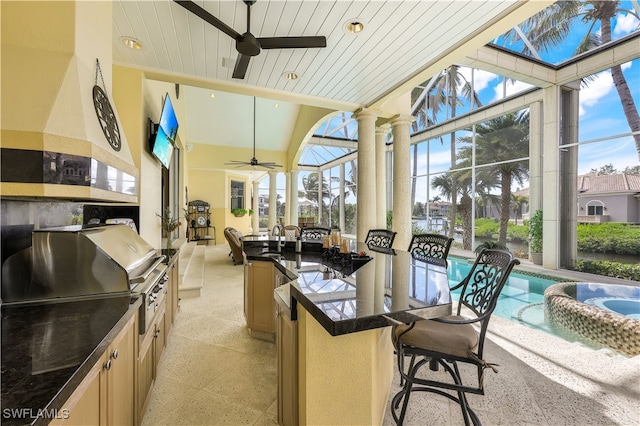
[[542, 379]]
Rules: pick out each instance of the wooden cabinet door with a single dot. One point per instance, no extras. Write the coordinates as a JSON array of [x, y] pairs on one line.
[[287, 364], [146, 363], [260, 296], [87, 404], [174, 278], [120, 376]]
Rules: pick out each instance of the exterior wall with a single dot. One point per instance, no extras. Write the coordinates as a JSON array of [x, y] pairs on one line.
[[619, 207]]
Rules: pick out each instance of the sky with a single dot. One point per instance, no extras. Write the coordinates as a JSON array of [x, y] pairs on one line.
[[600, 110]]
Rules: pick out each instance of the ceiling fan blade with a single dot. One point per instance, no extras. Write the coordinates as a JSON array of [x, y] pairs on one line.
[[242, 63], [234, 162], [199, 11], [292, 42]]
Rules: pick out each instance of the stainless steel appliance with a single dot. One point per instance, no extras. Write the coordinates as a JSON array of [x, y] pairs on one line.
[[93, 261]]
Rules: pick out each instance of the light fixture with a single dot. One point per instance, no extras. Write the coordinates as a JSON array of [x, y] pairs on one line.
[[277, 106], [354, 26], [290, 75], [212, 95], [131, 42]]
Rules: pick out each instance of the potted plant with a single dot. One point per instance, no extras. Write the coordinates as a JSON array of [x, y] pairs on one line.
[[238, 212], [535, 237]]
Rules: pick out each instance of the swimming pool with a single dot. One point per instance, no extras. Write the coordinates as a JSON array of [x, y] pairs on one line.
[[522, 298]]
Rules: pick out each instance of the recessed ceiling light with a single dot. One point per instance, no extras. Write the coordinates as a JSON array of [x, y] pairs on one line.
[[277, 105], [131, 42], [212, 95], [290, 75], [354, 27]]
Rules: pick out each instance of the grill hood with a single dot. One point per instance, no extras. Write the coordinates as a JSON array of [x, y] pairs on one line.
[[77, 261], [53, 144]]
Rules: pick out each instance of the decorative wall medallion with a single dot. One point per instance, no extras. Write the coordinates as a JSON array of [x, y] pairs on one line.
[[105, 113], [106, 117]]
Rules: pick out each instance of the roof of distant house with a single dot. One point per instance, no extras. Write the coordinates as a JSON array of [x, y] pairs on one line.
[[605, 183]]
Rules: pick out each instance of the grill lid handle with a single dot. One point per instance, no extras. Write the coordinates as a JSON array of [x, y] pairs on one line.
[[142, 277]]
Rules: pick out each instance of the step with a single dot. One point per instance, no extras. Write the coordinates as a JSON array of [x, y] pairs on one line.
[[193, 274]]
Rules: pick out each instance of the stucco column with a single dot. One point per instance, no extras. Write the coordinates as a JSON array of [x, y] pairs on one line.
[[568, 157], [287, 199], [273, 209], [402, 180], [293, 197], [255, 220], [341, 221], [319, 197], [550, 177], [535, 157], [366, 201], [381, 177]]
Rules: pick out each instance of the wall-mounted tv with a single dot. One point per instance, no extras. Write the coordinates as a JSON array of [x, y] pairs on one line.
[[165, 133]]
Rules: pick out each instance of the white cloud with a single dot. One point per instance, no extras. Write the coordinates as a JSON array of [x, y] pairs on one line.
[[481, 78], [512, 87], [600, 87], [625, 24], [626, 65]]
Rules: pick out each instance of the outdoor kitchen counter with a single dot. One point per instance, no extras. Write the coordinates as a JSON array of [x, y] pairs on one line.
[[48, 348], [348, 299], [334, 321]]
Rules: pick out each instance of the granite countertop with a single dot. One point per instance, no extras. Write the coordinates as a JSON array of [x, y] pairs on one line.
[[48, 348], [343, 300]]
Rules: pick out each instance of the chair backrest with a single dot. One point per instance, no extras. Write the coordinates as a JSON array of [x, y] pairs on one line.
[[430, 246], [484, 282], [382, 238], [482, 286], [314, 233], [233, 236], [290, 231], [277, 229]]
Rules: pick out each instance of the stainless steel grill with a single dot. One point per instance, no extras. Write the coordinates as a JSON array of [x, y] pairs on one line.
[[93, 261]]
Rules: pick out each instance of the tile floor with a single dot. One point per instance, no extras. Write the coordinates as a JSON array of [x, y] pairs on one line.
[[213, 373]]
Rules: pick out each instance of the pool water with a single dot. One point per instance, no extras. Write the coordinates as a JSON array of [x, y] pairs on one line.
[[521, 300]]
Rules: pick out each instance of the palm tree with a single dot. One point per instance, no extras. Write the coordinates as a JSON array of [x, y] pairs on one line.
[[518, 201], [442, 91], [551, 26], [500, 140]]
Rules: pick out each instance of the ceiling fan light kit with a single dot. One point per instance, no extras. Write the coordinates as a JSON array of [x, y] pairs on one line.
[[247, 44]]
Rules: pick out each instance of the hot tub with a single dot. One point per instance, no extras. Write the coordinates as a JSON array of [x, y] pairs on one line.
[[608, 314]]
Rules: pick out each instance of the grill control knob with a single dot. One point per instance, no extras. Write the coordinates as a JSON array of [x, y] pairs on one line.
[[107, 365], [114, 354]]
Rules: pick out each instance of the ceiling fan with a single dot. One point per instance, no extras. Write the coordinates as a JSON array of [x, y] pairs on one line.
[[247, 44], [253, 162]]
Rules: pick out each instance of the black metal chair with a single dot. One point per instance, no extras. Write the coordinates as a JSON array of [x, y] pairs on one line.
[[314, 233], [380, 238], [445, 342], [430, 246]]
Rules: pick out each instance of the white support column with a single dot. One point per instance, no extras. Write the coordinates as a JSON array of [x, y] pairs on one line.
[[535, 157], [273, 197], [319, 197], [287, 198], [341, 221], [366, 202], [293, 197], [551, 177], [402, 180], [255, 220], [381, 177]]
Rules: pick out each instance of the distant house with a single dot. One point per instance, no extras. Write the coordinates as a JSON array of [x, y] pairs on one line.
[[601, 198], [609, 198]]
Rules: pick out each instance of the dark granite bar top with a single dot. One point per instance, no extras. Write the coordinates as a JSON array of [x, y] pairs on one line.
[[344, 300], [48, 348]]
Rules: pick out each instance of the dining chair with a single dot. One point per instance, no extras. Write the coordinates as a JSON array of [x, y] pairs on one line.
[[445, 342], [290, 231], [233, 236], [430, 246], [314, 233], [380, 238]]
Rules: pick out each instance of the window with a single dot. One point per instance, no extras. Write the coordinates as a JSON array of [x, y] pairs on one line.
[[237, 194], [595, 210]]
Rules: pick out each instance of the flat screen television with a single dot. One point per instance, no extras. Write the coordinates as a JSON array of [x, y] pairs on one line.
[[165, 133]]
